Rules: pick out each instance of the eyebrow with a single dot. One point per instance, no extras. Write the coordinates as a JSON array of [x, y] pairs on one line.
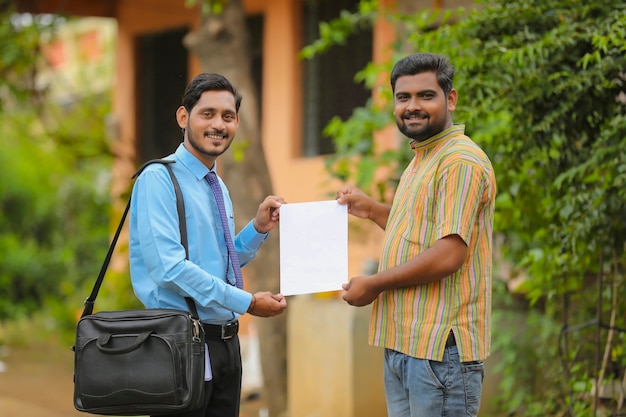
[[421, 92], [216, 110]]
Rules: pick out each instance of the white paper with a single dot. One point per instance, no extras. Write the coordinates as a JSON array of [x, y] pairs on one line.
[[313, 247]]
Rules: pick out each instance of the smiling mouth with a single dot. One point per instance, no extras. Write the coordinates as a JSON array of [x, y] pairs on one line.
[[416, 117], [214, 136]]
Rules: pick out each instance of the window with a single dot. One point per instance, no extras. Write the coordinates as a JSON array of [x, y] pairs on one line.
[[328, 79]]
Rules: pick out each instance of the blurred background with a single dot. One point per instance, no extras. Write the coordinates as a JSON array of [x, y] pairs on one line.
[[89, 92]]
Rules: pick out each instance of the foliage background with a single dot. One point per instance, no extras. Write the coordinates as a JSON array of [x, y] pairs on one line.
[[542, 90], [54, 181]]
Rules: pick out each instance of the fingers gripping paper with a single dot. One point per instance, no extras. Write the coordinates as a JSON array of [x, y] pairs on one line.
[[313, 247]]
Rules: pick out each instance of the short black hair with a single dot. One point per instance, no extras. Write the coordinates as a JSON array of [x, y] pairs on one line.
[[208, 82], [425, 62]]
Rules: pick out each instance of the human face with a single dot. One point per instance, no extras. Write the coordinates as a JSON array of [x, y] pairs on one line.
[[211, 125], [421, 108]]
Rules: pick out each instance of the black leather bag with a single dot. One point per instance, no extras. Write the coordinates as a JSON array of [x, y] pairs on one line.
[[139, 362]]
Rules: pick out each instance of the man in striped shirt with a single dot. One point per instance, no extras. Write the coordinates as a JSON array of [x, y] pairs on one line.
[[432, 293]]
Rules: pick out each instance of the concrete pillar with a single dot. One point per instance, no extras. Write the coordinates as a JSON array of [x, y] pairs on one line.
[[332, 371]]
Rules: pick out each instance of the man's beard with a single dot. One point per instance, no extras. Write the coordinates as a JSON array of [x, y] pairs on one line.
[[197, 145], [416, 135]]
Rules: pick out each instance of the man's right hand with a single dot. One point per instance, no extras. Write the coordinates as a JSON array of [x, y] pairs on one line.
[[359, 204], [363, 206], [266, 304]]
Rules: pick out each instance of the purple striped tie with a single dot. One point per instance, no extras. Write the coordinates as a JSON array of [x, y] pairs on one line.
[[232, 254]]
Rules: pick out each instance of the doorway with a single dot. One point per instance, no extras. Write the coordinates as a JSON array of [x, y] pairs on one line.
[[161, 79]]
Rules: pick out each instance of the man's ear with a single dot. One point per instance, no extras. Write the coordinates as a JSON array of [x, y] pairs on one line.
[[453, 96], [182, 117]]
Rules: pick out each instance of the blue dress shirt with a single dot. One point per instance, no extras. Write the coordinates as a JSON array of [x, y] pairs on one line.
[[160, 273]]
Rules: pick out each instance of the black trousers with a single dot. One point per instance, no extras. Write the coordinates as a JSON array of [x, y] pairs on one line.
[[223, 392]]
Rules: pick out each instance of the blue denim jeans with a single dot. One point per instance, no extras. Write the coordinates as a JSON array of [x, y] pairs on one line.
[[424, 388]]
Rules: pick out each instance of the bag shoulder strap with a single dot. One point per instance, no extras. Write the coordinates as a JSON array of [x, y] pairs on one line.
[[180, 208]]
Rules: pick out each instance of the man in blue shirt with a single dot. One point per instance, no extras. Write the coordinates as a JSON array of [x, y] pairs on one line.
[[160, 273]]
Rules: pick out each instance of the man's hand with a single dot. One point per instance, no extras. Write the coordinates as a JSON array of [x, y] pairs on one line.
[[268, 214], [359, 204], [360, 291], [363, 206], [266, 304]]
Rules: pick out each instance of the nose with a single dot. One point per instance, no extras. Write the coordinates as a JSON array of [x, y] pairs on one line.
[[217, 123], [413, 104]]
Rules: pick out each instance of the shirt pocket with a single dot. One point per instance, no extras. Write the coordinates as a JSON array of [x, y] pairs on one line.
[[421, 224]]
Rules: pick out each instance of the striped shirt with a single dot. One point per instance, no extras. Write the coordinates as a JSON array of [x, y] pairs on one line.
[[448, 188]]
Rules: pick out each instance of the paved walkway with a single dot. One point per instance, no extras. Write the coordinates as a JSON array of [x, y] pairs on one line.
[[38, 382]]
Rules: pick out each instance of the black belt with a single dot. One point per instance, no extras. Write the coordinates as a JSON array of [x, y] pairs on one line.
[[451, 341], [221, 331]]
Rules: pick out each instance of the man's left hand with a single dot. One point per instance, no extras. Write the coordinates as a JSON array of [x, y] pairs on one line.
[[268, 214], [359, 291]]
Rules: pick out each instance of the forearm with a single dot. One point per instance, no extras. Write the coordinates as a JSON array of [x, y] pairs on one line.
[[247, 242], [380, 214], [438, 262]]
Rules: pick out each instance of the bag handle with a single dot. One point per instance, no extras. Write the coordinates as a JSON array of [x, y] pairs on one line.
[[104, 339], [180, 208]]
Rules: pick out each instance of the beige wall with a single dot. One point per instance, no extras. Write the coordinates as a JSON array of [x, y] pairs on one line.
[[332, 370], [135, 18]]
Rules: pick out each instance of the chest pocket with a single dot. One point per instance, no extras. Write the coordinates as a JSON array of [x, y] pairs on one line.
[[421, 213]]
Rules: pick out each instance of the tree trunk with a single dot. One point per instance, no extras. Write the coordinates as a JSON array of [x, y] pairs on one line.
[[221, 43]]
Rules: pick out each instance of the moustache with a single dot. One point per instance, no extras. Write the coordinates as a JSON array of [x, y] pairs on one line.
[[215, 133], [417, 114]]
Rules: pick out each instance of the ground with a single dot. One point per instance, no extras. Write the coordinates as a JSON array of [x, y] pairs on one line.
[[37, 381]]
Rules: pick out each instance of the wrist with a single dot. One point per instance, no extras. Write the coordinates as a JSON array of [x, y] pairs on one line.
[[252, 304], [377, 283], [258, 229]]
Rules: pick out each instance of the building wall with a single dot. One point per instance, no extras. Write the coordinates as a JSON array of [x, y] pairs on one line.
[[332, 371], [135, 18]]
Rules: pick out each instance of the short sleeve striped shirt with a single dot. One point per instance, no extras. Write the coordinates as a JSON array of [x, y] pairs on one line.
[[448, 188]]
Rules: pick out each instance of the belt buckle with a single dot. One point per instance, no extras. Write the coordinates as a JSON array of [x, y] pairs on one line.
[[227, 332]]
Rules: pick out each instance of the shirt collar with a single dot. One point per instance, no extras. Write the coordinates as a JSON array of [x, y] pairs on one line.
[[454, 130], [193, 164]]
